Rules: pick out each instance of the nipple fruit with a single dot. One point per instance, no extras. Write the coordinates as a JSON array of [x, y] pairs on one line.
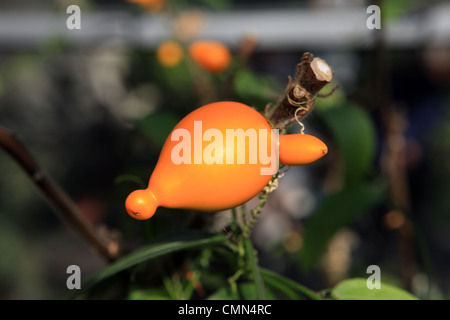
[[211, 55], [218, 157], [169, 53]]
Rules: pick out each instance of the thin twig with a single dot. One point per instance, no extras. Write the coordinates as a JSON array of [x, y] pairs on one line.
[[62, 203]]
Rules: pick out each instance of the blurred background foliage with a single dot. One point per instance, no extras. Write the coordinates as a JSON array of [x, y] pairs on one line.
[[96, 110]]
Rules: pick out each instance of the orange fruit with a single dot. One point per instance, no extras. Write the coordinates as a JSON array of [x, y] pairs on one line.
[[169, 53], [150, 5], [300, 149], [218, 157], [211, 55]]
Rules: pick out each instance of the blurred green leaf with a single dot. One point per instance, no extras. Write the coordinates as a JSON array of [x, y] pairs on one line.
[[333, 213], [178, 79], [218, 4], [21, 270], [153, 251], [356, 289], [157, 126], [354, 133], [254, 88], [289, 288], [149, 294], [336, 99], [245, 291], [392, 10]]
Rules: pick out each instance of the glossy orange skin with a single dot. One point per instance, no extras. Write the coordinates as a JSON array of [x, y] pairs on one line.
[[211, 55], [207, 187], [300, 149], [215, 187]]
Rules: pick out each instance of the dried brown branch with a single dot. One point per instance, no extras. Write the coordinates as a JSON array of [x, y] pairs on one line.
[[301, 91], [108, 249]]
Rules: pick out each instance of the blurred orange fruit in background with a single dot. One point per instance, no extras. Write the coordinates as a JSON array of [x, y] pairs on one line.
[[150, 5], [211, 55], [169, 53]]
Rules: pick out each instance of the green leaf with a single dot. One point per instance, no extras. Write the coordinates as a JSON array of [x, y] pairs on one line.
[[254, 88], [218, 4], [338, 98], [153, 251], [354, 133], [157, 126], [286, 286], [333, 213], [245, 291], [393, 10], [149, 294], [356, 289]]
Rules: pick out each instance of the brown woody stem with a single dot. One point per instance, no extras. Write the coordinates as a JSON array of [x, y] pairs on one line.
[[311, 76], [107, 249]]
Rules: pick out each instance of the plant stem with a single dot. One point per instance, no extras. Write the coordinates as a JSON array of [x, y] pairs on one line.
[[255, 214], [301, 91], [252, 260], [234, 222], [232, 280], [106, 248], [244, 213]]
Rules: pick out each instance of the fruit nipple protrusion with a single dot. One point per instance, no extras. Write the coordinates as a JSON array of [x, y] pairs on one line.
[[141, 204]]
